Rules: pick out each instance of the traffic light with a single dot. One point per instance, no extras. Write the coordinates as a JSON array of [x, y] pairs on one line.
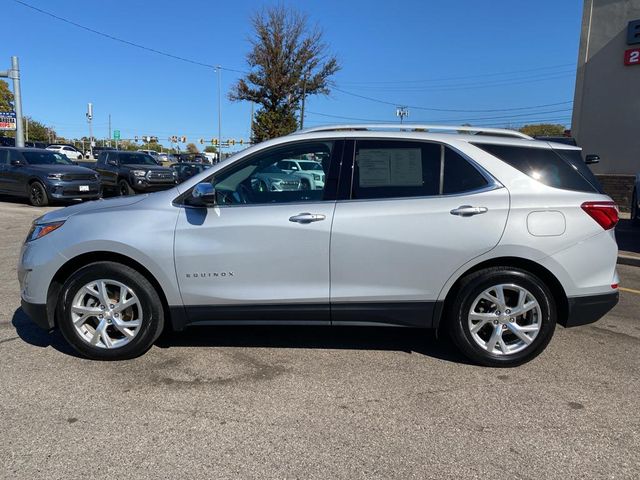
[[232, 141], [202, 141], [183, 139], [135, 139], [241, 141], [215, 141]]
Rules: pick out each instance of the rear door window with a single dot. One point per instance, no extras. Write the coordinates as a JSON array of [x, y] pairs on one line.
[[397, 169], [543, 165]]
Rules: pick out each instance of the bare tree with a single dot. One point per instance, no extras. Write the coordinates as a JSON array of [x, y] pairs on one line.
[[288, 60]]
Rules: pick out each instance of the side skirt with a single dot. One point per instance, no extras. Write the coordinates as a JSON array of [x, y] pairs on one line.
[[396, 314]]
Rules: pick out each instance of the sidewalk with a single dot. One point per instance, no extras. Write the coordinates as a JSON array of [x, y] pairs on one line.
[[628, 237]]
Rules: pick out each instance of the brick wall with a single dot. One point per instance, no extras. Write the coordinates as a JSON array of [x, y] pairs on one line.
[[620, 188]]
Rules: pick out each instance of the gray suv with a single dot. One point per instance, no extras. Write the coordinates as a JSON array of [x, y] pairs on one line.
[[482, 236], [43, 176]]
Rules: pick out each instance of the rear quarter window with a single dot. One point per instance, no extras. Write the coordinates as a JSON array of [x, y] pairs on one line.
[[543, 165]]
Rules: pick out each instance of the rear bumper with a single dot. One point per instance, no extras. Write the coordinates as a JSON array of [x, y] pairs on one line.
[[38, 314], [589, 309]]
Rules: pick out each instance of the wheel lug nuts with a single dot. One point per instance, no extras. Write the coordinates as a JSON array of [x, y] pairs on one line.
[[498, 312], [110, 306], [495, 322], [100, 316], [507, 312], [512, 319], [101, 307], [116, 315]]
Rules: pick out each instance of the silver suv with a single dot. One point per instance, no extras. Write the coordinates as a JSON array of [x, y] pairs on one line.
[[487, 234]]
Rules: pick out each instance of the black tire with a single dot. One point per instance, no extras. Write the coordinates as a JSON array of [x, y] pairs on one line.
[[38, 195], [305, 185], [152, 319], [124, 189], [476, 283]]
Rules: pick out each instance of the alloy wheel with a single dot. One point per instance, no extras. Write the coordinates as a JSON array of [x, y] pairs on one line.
[[504, 319], [36, 194], [106, 313]]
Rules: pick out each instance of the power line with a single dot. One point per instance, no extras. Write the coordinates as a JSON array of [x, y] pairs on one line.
[[494, 74], [474, 85], [126, 42], [465, 119], [451, 110]]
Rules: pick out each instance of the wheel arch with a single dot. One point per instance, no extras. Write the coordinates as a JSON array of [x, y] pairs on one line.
[[75, 263], [544, 274]]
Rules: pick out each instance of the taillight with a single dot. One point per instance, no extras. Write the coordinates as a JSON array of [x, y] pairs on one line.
[[605, 213]]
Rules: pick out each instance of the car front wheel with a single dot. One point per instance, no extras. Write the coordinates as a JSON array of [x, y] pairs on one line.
[[502, 317], [38, 195], [109, 311], [124, 188]]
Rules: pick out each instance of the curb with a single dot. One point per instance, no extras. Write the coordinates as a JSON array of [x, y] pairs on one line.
[[629, 260]]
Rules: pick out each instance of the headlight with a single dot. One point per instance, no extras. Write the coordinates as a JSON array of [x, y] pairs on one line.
[[55, 176], [138, 173], [317, 177], [39, 230], [175, 174]]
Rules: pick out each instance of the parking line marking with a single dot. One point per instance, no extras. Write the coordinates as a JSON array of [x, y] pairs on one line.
[[630, 290]]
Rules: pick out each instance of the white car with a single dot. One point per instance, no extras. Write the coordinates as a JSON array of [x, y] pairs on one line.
[[68, 151], [310, 172], [494, 238]]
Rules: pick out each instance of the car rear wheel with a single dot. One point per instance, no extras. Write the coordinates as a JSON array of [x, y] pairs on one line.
[[124, 188], [38, 195], [502, 317], [109, 311]]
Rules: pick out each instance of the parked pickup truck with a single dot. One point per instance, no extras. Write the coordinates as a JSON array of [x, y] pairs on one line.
[[128, 173]]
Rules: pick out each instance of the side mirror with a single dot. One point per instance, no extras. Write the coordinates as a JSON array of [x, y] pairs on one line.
[[204, 194], [592, 158], [18, 163], [113, 163]]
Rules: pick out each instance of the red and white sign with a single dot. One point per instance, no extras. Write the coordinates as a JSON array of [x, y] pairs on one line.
[[632, 56]]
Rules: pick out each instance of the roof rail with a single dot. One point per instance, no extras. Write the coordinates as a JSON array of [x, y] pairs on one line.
[[502, 132]]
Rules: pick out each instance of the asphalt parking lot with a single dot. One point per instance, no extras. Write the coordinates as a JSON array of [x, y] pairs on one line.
[[315, 403]]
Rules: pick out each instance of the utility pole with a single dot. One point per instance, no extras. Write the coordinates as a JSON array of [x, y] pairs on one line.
[[402, 112], [14, 74], [89, 119], [26, 129], [251, 123], [304, 97], [219, 114], [110, 132]]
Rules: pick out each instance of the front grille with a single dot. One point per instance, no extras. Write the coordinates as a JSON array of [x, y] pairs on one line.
[[159, 176], [70, 177], [289, 185]]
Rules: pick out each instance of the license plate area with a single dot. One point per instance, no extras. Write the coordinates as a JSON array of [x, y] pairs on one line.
[[83, 188]]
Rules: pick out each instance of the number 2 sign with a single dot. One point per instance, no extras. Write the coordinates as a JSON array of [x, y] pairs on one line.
[[632, 56]]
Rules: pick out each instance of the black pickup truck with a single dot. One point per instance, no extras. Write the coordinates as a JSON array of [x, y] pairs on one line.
[[128, 173]]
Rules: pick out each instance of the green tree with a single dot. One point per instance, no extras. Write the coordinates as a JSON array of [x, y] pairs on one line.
[[543, 129], [192, 148], [289, 60], [39, 132], [210, 149], [6, 97]]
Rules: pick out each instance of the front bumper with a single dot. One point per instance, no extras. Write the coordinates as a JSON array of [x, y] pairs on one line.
[[141, 184], [62, 190], [38, 314], [589, 309]]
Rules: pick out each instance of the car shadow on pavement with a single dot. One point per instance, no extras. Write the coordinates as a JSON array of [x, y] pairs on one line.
[[30, 333], [408, 340]]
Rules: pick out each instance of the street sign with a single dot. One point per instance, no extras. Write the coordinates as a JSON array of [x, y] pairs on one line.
[[632, 56], [116, 134], [8, 121]]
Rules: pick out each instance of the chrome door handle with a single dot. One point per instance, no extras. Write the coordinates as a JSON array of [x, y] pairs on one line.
[[468, 211], [307, 217]]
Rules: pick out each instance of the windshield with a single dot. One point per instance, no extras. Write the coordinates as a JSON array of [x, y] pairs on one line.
[[310, 165], [46, 158], [136, 159]]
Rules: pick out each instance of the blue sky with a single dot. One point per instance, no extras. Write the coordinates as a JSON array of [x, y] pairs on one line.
[[450, 55]]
